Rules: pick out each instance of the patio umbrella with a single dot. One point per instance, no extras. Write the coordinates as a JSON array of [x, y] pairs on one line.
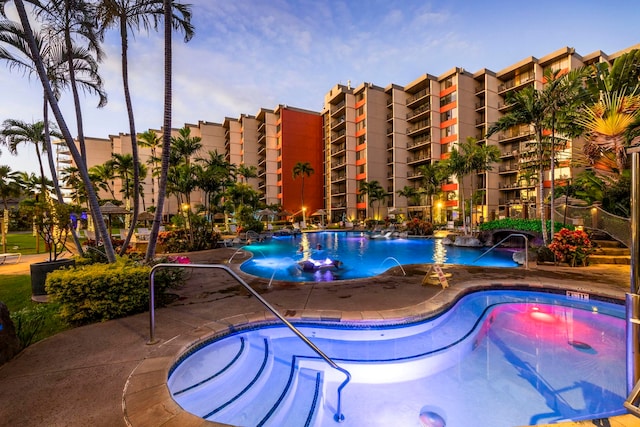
[[284, 213], [146, 216], [320, 212], [109, 209]]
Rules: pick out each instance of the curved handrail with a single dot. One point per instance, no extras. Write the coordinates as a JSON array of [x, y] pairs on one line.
[[338, 416], [526, 248]]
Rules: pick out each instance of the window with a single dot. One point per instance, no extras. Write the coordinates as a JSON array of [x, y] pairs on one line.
[[361, 140], [448, 115], [448, 82], [448, 131], [362, 154], [448, 99], [360, 111], [361, 125]]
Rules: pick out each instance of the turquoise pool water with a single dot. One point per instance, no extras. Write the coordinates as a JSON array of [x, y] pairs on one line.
[[497, 358], [359, 256]]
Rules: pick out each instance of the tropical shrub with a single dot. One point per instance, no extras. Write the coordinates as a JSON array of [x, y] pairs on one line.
[[572, 246], [99, 292], [531, 225]]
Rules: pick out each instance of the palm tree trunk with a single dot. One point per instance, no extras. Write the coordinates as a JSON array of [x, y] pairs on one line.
[[166, 135], [553, 174], [543, 223], [132, 132], [91, 195]]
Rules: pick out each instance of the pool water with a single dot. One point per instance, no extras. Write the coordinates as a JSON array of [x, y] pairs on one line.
[[359, 256], [495, 359]]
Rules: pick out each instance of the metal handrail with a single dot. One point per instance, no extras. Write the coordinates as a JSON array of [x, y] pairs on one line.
[[526, 248], [339, 417]]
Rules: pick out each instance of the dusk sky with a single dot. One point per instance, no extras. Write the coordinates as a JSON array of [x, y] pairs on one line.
[[248, 55]]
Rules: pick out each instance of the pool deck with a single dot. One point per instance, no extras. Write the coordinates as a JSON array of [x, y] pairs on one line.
[[108, 375]]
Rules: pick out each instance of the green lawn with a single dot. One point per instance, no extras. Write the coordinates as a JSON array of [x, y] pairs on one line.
[[25, 243], [15, 292]]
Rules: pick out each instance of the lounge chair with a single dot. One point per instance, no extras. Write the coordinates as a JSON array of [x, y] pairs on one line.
[[14, 256]]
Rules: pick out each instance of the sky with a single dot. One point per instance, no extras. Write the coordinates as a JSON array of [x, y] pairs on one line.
[[247, 55]]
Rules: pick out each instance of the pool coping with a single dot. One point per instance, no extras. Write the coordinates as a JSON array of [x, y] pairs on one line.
[[146, 399]]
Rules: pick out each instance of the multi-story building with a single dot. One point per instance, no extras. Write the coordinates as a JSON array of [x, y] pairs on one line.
[[389, 135]]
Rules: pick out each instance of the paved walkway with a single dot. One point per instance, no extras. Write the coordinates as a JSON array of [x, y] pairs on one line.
[[107, 375]]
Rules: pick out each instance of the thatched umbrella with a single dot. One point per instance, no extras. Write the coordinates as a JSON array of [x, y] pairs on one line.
[[109, 209]]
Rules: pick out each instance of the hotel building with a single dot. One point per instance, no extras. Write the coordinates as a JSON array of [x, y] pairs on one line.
[[386, 134]]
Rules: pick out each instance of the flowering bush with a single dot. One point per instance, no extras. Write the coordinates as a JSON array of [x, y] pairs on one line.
[[572, 247], [419, 227]]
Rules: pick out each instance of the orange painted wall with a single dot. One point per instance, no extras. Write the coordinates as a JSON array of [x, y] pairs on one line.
[[301, 142]]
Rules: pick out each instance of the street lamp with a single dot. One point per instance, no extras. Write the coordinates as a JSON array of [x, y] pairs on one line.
[[304, 221]]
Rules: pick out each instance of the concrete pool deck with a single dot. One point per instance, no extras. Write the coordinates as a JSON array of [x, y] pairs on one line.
[[107, 375]]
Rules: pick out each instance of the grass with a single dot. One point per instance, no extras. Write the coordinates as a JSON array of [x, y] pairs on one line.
[[15, 292], [25, 243]]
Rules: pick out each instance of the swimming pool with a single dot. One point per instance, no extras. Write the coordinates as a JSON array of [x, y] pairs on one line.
[[358, 255], [497, 358]]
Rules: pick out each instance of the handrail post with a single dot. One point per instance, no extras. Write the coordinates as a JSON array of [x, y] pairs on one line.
[[526, 248], [339, 416]]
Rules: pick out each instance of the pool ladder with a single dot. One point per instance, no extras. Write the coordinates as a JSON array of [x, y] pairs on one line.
[[339, 416], [526, 248]]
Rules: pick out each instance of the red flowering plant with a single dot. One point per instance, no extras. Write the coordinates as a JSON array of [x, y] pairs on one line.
[[572, 247]]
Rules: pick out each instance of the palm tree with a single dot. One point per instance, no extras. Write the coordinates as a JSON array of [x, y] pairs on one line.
[[17, 132], [374, 192], [432, 176], [184, 146], [52, 50], [528, 108], [62, 124], [150, 139], [563, 94], [481, 158], [606, 124], [247, 172], [300, 169], [125, 15], [185, 11], [411, 194], [458, 164], [103, 176]]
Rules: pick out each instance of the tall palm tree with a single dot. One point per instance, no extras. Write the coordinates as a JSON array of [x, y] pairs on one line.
[[481, 159], [458, 164], [52, 50], [131, 15], [185, 11], [528, 108], [184, 146], [302, 169], [62, 124], [563, 94]]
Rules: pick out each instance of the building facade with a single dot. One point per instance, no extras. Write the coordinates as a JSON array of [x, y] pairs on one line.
[[390, 135]]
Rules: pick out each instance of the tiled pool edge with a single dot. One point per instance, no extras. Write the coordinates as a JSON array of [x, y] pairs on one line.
[[146, 399]]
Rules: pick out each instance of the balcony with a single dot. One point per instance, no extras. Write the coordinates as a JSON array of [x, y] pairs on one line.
[[419, 127], [338, 107], [337, 137], [416, 98], [419, 113], [339, 123], [420, 141], [522, 80], [507, 169], [419, 158]]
